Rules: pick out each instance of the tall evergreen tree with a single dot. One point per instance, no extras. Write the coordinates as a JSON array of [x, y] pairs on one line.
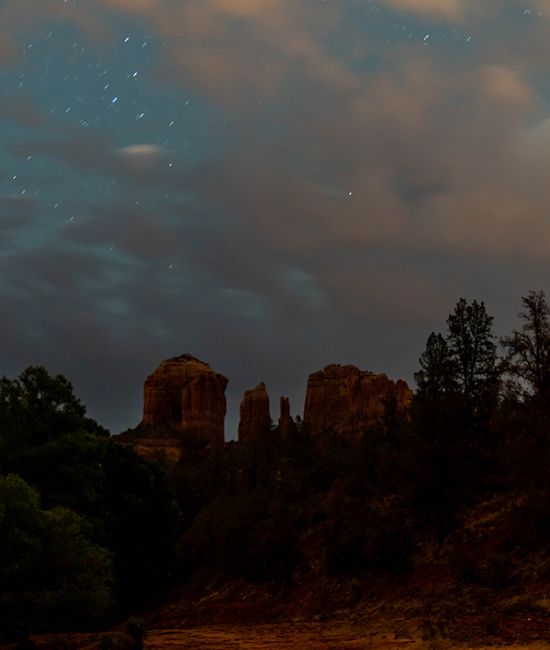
[[457, 389], [473, 349], [436, 376], [437, 390], [438, 423]]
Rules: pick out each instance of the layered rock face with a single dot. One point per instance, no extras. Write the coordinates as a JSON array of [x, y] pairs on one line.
[[348, 401], [184, 401], [186, 395], [255, 420], [287, 428]]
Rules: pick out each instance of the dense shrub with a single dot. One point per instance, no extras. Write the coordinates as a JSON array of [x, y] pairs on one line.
[[51, 575], [246, 536], [101, 494]]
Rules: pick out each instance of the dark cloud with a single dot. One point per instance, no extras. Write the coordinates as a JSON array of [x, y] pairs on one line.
[[132, 231], [16, 213], [142, 164], [21, 111]]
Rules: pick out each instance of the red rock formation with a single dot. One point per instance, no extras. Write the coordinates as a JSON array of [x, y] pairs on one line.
[[287, 428], [162, 447], [186, 395], [347, 401], [255, 421]]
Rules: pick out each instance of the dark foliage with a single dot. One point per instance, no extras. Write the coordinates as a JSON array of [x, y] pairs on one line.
[[528, 349], [119, 504], [248, 535], [473, 351], [51, 575], [342, 507]]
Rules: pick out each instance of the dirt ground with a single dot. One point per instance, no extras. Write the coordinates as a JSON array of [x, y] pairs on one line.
[[300, 637], [290, 636]]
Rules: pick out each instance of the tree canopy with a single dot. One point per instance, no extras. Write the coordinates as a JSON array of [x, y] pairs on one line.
[[528, 349], [116, 509]]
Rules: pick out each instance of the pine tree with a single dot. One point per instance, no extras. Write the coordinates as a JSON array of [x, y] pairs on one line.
[[436, 376], [473, 350], [528, 349]]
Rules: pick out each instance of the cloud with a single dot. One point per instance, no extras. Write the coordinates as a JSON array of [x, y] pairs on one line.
[[534, 142], [8, 48], [93, 151], [247, 7], [413, 135], [506, 85], [18, 212], [141, 151], [132, 231], [141, 159], [448, 9], [22, 111]]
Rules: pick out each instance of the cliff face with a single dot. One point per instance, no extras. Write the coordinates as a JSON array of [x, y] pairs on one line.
[[255, 420], [287, 428], [184, 399], [347, 401], [186, 395]]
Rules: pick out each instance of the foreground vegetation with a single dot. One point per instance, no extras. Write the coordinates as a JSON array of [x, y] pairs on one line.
[[86, 527], [89, 532]]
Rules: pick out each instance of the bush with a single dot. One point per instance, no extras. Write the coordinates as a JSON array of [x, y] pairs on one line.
[[51, 575], [246, 535], [88, 483]]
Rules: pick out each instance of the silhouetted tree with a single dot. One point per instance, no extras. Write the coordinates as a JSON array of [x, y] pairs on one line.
[[457, 391], [528, 349], [473, 351], [436, 401], [437, 374], [437, 419], [46, 438]]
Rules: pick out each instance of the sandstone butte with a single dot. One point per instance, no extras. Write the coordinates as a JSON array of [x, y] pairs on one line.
[[348, 401], [187, 395], [184, 400], [255, 420]]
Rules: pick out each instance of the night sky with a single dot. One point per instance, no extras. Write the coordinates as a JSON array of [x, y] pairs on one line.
[[270, 185]]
